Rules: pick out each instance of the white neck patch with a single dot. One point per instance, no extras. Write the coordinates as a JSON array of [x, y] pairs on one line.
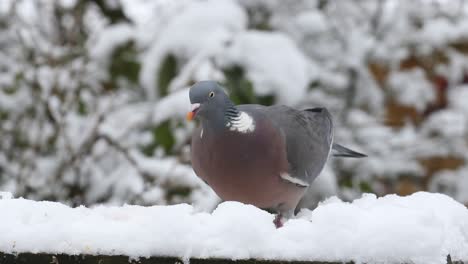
[[243, 123]]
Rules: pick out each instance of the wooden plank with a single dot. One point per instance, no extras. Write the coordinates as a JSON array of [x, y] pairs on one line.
[[44, 258]]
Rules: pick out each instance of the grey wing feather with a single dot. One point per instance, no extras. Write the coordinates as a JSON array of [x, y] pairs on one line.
[[308, 135]]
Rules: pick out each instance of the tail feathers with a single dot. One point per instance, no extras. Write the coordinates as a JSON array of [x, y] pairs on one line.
[[340, 151]]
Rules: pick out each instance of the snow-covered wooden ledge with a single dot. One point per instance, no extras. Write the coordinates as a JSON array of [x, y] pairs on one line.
[[421, 228], [30, 258]]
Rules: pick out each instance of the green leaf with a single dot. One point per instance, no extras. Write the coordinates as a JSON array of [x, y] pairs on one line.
[[346, 182], [124, 63], [177, 191], [82, 108], [167, 72], [365, 187], [242, 90], [314, 85], [162, 137], [3, 115], [259, 18]]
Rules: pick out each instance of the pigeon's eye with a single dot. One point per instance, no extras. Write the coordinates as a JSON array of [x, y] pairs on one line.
[[211, 94]]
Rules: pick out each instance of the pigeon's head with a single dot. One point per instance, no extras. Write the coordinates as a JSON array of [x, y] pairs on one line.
[[206, 97]]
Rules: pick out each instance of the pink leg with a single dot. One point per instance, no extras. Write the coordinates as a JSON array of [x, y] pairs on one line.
[[278, 221]]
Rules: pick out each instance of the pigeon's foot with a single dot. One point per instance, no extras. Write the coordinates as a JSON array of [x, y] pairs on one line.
[[278, 221]]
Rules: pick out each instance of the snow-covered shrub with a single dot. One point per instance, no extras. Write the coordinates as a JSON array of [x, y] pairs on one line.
[[93, 93], [76, 125]]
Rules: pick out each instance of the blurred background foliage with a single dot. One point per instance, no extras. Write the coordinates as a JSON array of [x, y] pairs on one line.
[[93, 93]]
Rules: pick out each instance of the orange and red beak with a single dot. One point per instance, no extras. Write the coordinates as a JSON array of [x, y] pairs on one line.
[[193, 111]]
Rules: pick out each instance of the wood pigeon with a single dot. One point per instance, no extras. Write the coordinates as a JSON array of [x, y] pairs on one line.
[[266, 156]]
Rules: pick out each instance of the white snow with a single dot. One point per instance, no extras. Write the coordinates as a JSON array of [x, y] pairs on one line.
[[448, 123], [201, 28], [411, 88], [174, 105], [105, 43], [452, 182], [5, 195], [440, 30], [285, 74], [311, 21], [421, 228], [458, 96]]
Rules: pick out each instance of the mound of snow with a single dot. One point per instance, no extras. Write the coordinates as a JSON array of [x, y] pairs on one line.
[[421, 228]]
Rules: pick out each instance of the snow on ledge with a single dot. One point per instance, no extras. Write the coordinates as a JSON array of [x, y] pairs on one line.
[[421, 228]]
